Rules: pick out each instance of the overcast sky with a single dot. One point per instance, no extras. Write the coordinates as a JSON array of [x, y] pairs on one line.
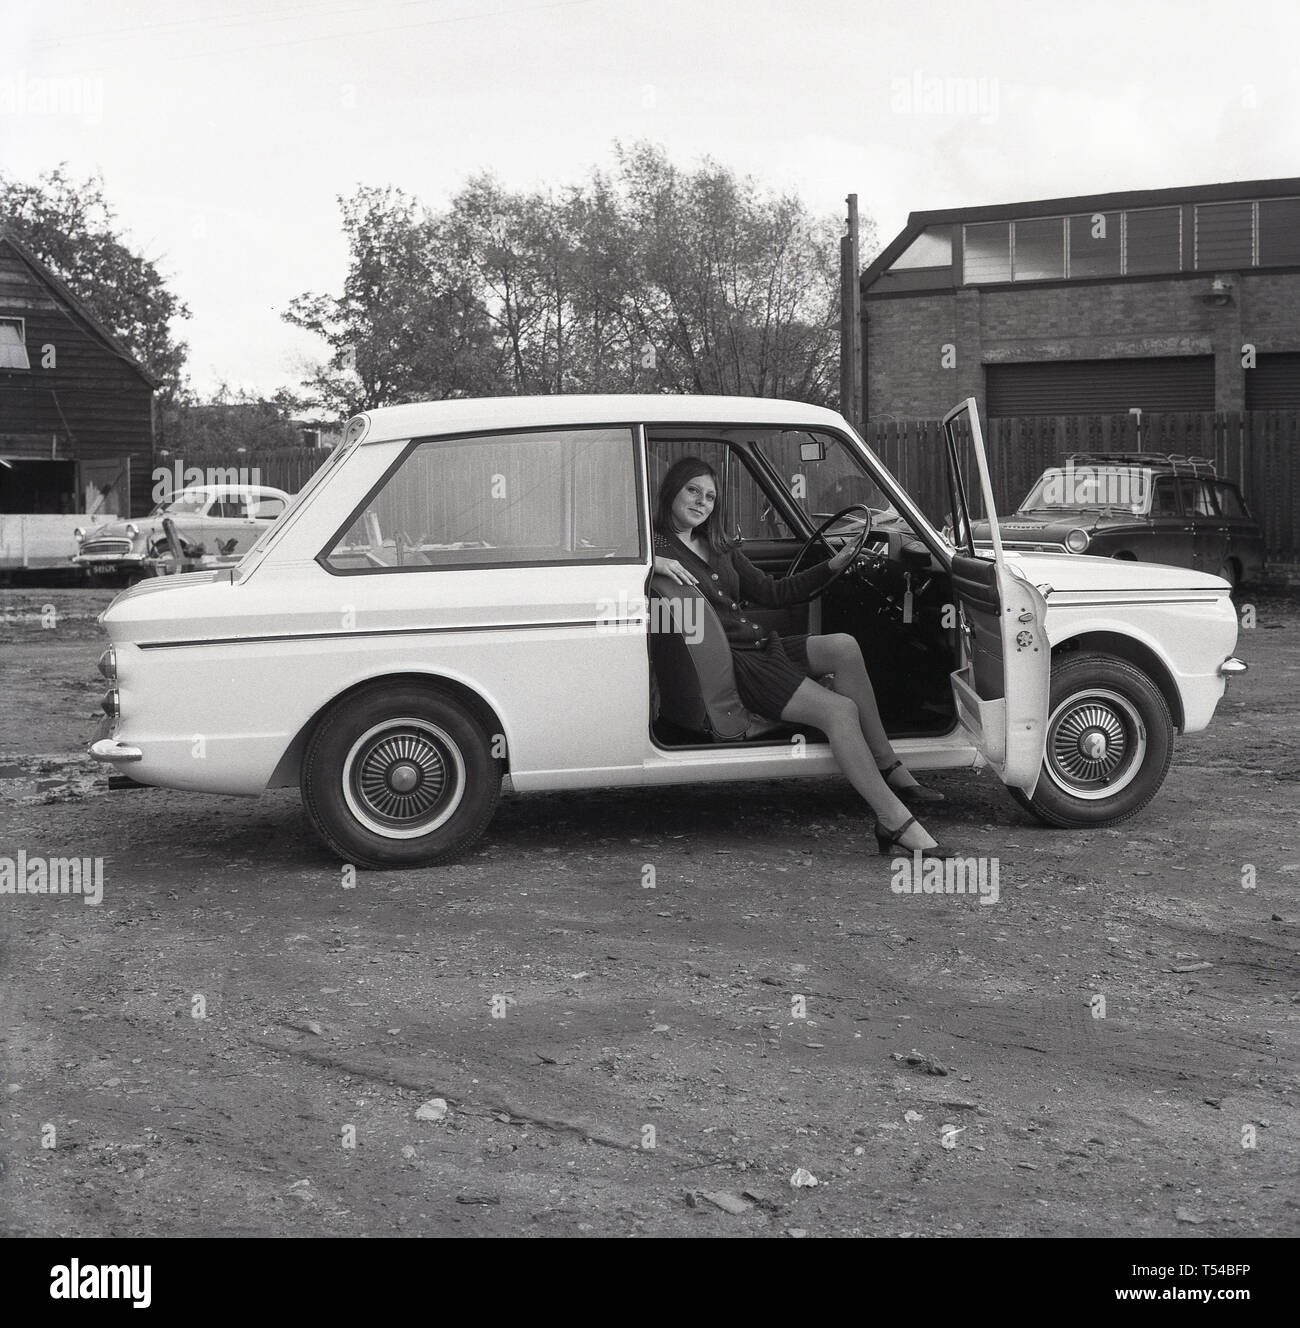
[[224, 132]]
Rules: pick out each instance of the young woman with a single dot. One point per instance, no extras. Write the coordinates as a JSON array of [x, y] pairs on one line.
[[774, 674]]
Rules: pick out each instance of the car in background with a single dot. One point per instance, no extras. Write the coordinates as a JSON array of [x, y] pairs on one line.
[[209, 525], [463, 600], [1143, 507]]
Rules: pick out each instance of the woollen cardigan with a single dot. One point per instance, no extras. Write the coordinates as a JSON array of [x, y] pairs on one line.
[[731, 583]]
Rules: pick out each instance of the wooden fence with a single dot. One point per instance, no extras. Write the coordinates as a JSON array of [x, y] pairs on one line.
[[1258, 449], [287, 468]]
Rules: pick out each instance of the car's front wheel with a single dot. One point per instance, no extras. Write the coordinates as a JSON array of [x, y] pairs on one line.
[[1109, 743], [399, 776]]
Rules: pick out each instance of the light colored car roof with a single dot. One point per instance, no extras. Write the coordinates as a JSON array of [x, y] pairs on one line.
[[473, 414]]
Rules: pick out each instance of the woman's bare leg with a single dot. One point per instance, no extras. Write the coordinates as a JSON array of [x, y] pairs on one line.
[[837, 716]]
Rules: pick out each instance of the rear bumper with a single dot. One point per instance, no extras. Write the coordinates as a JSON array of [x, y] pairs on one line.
[[114, 752], [1232, 667]]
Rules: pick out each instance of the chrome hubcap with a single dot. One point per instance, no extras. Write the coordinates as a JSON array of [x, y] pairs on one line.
[[1096, 743], [403, 778]]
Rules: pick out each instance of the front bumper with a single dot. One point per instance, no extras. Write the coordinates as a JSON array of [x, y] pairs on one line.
[[1232, 667]]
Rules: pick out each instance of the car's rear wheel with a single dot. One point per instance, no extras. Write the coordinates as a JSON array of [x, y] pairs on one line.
[[400, 777], [1109, 743]]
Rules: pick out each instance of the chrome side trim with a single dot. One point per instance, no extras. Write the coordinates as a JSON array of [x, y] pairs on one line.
[[606, 624]]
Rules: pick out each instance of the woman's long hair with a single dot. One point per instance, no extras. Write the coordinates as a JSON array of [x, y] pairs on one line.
[[679, 476]]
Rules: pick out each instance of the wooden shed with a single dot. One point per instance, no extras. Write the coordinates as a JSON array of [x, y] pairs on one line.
[[76, 408]]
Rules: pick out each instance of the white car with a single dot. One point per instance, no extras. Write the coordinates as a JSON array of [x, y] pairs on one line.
[[214, 525], [461, 599]]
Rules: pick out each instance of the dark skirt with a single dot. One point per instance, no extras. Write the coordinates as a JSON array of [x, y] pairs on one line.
[[768, 677]]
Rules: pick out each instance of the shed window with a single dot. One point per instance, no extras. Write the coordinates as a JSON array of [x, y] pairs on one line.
[[13, 344], [1225, 235], [1279, 232], [1039, 247], [1153, 240], [987, 253], [932, 248], [1095, 244]]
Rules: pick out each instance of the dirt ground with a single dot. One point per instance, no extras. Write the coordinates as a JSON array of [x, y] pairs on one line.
[[649, 1073]]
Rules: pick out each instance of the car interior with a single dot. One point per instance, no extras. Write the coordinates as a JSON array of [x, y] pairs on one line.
[[776, 486]]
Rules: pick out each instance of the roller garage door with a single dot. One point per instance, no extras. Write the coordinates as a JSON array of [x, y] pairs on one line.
[[1274, 383], [1101, 387]]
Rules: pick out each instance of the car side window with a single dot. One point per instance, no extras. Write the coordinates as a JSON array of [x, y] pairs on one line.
[[750, 512], [1196, 498], [1165, 499], [560, 496], [1230, 503], [268, 509]]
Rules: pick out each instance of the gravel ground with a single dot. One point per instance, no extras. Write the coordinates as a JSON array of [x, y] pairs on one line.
[[1110, 1049]]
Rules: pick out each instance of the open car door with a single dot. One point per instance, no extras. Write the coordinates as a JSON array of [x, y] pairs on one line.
[[1003, 684]]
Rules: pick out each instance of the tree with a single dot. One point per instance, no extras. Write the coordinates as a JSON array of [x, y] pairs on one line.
[[233, 421], [408, 325], [735, 291], [649, 280], [69, 226]]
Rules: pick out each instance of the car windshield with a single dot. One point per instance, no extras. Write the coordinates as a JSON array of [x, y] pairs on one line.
[[189, 501], [1094, 488], [825, 480]]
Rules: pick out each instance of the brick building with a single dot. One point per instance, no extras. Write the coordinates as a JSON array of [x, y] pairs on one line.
[[1155, 300]]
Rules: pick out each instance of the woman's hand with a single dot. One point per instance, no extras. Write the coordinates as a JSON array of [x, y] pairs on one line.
[[844, 556], [670, 567]]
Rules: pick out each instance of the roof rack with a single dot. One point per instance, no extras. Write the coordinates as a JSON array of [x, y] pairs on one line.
[[1180, 465]]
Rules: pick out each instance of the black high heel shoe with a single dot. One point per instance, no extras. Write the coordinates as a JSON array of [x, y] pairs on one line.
[[916, 793], [888, 839]]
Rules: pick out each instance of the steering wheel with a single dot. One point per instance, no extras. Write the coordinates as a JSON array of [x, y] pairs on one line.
[[820, 531]]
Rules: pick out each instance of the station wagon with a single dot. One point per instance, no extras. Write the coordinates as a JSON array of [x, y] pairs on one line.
[[460, 602], [1144, 507]]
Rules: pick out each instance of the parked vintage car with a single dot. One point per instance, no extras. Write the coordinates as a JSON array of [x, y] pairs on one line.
[[214, 526], [461, 600], [1145, 507]]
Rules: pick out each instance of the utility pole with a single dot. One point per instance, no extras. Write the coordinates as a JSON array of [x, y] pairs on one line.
[[851, 322]]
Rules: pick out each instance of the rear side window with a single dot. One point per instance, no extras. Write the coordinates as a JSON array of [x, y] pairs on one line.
[[560, 496], [1230, 503], [1197, 498]]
